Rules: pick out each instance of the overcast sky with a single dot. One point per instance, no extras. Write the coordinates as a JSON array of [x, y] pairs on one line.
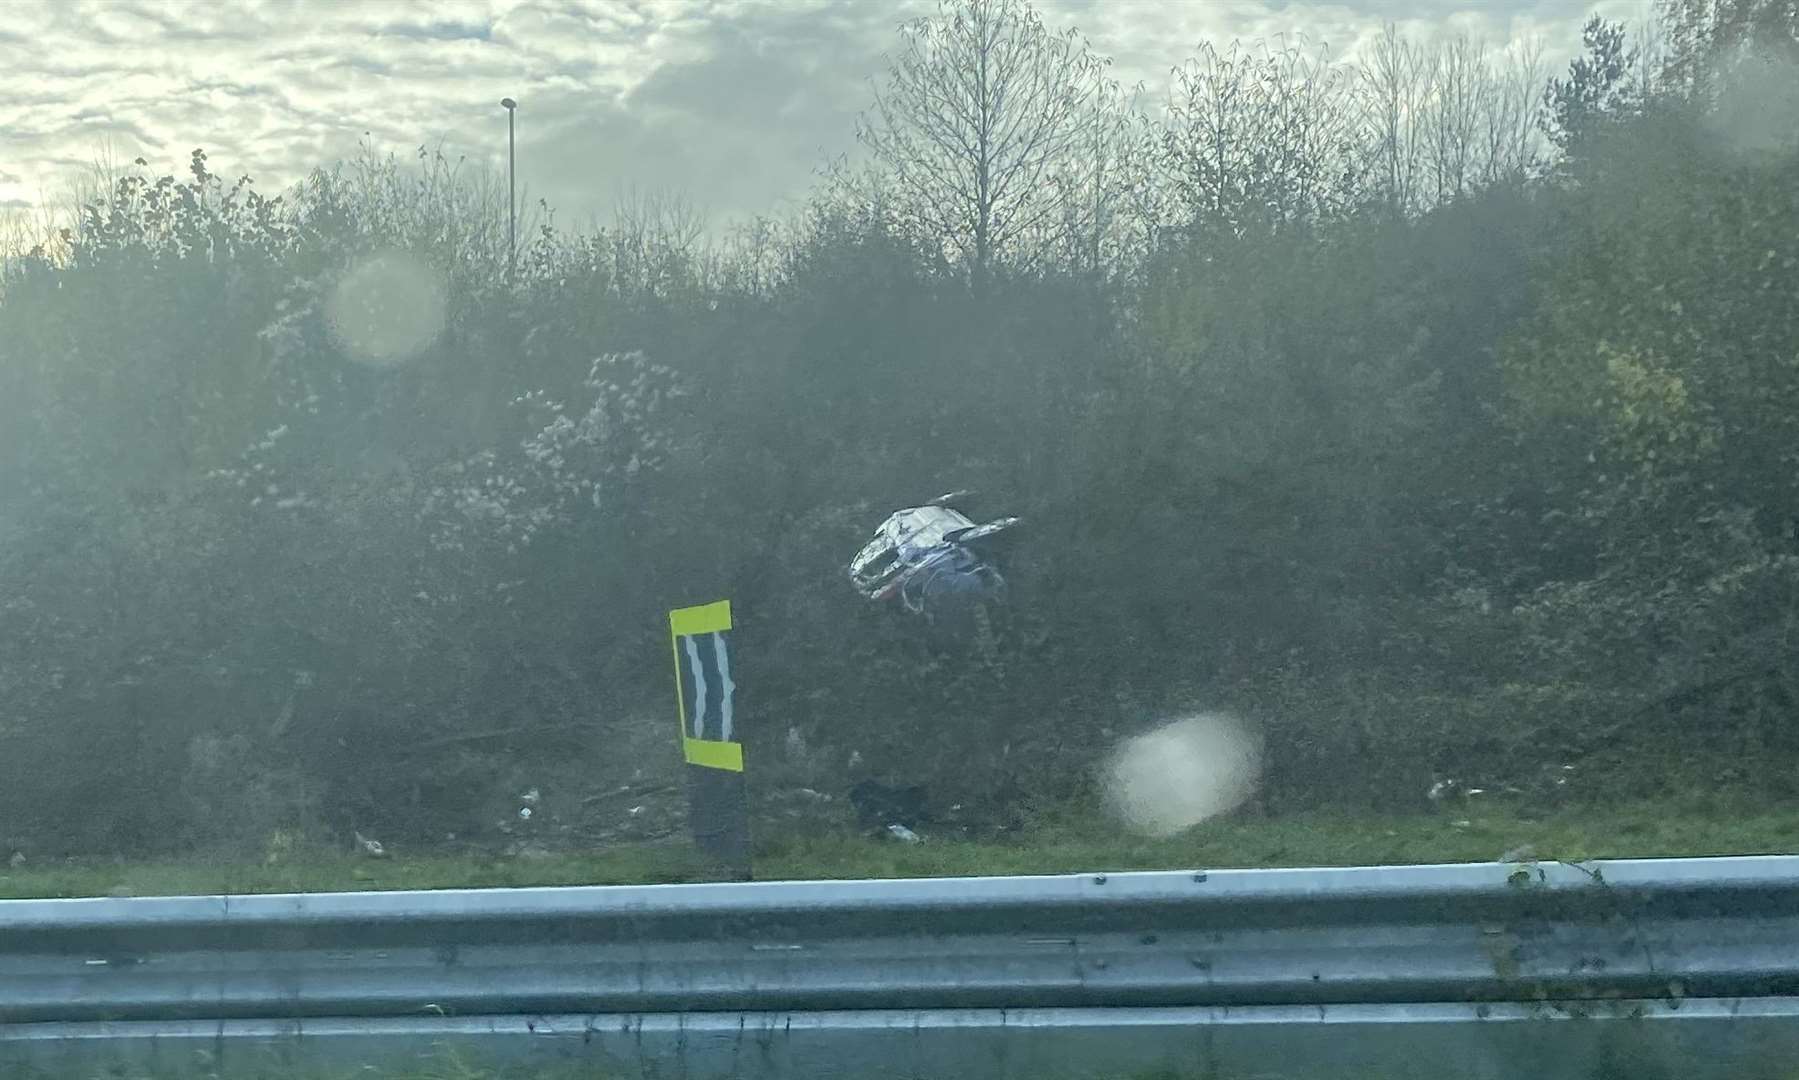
[[734, 102]]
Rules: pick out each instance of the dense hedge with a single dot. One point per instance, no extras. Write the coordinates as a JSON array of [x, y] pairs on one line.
[[1480, 484]]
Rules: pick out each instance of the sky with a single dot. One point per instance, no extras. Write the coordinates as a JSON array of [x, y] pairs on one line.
[[732, 103]]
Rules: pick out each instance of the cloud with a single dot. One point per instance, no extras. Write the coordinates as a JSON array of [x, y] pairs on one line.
[[735, 102], [760, 99]]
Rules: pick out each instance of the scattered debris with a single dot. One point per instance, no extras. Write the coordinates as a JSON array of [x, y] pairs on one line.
[[879, 804], [628, 789], [371, 848], [900, 832], [1548, 782], [280, 847], [17, 860]]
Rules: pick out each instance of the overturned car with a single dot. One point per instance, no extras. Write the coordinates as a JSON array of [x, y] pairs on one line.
[[927, 559]]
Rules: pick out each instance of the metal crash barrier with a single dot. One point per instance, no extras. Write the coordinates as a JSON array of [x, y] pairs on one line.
[[1679, 967]]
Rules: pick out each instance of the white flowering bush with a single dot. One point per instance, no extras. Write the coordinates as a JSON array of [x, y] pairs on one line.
[[567, 463]]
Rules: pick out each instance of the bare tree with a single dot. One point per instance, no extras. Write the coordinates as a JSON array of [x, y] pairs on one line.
[[981, 107], [47, 225], [656, 240], [1479, 115], [750, 261], [1446, 119], [1395, 81], [1259, 136], [1510, 114], [1105, 191], [21, 232], [1459, 88], [454, 206], [1649, 43]]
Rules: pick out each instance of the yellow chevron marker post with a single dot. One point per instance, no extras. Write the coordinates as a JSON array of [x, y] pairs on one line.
[[704, 692], [711, 744]]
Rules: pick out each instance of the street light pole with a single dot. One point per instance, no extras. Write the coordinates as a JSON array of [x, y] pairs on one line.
[[511, 108]]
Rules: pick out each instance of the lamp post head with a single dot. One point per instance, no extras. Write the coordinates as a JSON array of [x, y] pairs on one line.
[[508, 104]]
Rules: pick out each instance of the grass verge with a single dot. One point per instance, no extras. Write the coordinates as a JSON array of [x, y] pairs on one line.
[[1069, 846]]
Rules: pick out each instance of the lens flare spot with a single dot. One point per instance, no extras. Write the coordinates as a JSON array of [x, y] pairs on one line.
[[1186, 771], [387, 308]]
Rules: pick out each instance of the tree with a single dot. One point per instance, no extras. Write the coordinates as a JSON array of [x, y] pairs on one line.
[[1106, 192], [1512, 136], [982, 105], [1445, 119], [1660, 369], [1258, 137], [1395, 83], [1706, 37], [1598, 86]]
